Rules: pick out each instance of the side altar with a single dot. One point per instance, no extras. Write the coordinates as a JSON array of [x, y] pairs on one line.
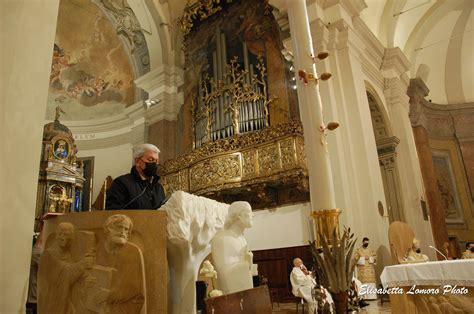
[[61, 177]]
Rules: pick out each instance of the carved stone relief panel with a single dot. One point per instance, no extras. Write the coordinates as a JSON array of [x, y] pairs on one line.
[[104, 262]]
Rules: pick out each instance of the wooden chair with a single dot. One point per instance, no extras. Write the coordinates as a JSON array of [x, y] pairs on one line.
[[298, 301], [99, 203], [400, 237]]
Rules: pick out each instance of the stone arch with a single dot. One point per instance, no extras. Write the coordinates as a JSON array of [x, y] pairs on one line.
[[386, 151], [380, 121]]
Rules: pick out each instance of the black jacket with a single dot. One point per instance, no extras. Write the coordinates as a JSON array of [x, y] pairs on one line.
[[131, 192]]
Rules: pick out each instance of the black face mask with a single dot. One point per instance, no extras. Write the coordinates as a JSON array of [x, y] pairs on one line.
[[418, 250], [472, 249], [150, 169], [365, 245]]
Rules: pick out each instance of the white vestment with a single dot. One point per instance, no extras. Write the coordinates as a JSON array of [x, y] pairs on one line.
[[302, 286]]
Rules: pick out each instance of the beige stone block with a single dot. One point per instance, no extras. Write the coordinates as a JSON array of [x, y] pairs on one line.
[[117, 268]]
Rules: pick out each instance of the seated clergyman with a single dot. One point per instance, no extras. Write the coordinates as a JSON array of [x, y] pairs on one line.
[[303, 284], [414, 254]]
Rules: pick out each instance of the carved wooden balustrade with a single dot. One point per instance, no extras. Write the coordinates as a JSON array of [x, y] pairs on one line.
[[266, 168]]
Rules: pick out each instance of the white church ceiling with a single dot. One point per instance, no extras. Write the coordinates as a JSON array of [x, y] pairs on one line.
[[437, 38]]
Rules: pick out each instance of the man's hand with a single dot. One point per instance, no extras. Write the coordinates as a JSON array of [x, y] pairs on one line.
[[101, 296], [304, 270], [88, 261]]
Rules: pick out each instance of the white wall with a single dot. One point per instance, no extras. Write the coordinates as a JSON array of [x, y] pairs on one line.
[[110, 161], [27, 35], [282, 227]]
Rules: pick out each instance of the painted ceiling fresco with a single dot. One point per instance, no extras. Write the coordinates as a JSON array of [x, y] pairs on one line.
[[91, 76]]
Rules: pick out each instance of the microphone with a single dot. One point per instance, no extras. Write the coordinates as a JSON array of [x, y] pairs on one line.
[[438, 252], [135, 198]]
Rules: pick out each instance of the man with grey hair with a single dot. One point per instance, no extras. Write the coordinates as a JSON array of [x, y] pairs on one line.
[[139, 189]]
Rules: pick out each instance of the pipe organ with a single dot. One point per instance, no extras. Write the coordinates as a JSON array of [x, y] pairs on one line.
[[232, 93], [240, 135]]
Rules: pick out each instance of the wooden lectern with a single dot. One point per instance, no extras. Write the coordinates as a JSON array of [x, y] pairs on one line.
[[252, 301]]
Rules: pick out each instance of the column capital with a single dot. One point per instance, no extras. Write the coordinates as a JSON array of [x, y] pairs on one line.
[[417, 91], [319, 35], [386, 150], [344, 8]]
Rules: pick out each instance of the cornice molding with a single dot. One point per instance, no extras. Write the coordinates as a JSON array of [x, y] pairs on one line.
[[395, 59], [441, 122], [346, 37], [162, 85], [166, 77], [373, 74], [353, 7]]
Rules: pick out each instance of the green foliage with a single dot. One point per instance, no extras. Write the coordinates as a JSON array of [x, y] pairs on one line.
[[335, 266]]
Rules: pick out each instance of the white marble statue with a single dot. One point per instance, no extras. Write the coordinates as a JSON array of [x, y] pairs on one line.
[[192, 223], [230, 252]]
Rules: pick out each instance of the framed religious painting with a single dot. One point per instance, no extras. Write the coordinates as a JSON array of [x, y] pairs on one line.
[[448, 186], [61, 147]]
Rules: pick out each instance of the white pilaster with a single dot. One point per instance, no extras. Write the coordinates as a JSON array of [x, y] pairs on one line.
[[394, 69], [354, 159], [27, 37]]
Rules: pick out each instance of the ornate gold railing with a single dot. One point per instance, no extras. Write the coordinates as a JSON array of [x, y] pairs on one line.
[[246, 164]]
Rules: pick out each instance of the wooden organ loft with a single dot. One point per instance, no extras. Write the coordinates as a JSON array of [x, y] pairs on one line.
[[244, 139]]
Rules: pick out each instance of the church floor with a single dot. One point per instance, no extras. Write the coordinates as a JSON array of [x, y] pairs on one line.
[[374, 308]]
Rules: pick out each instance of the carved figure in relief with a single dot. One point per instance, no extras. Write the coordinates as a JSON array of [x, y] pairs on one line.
[[59, 270], [230, 252], [119, 278]]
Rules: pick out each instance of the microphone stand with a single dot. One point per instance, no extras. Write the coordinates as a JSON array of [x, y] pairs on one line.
[[438, 252]]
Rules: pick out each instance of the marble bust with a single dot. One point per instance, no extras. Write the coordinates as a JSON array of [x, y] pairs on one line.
[[230, 252]]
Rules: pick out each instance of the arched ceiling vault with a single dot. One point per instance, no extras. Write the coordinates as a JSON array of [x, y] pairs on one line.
[[436, 37]]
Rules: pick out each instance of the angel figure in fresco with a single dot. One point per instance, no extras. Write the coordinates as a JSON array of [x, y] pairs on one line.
[[60, 62]]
